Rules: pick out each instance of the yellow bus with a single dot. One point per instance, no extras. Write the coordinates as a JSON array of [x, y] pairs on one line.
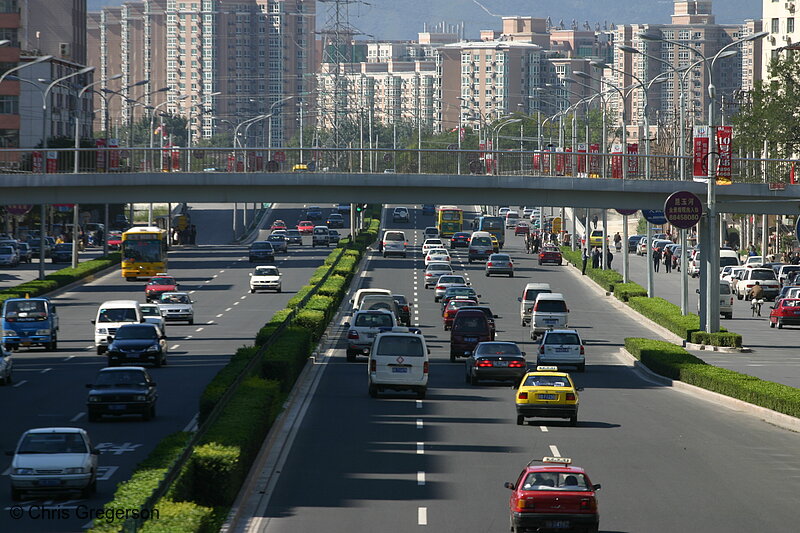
[[449, 220], [144, 252]]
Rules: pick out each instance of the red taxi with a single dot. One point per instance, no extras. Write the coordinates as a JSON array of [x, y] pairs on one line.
[[305, 226], [553, 495], [522, 228], [785, 312], [159, 284], [114, 240], [550, 254], [452, 308]]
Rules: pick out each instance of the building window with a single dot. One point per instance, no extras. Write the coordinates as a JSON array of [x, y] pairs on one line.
[[775, 25], [9, 105], [790, 25]]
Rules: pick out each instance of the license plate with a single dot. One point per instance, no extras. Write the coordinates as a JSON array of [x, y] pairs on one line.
[[561, 350], [49, 482], [470, 339], [117, 407], [550, 321], [557, 524], [501, 363], [400, 370], [546, 396], [25, 343]]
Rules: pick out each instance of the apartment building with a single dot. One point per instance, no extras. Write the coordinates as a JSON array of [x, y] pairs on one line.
[[57, 28], [224, 61], [780, 20], [10, 26]]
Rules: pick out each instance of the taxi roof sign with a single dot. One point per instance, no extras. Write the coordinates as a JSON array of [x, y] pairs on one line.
[[557, 460], [547, 369]]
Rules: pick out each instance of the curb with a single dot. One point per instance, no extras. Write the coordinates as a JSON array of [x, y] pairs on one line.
[[767, 415], [720, 349]]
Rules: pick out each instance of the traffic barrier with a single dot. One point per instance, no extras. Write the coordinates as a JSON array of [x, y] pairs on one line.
[[676, 363], [238, 407]]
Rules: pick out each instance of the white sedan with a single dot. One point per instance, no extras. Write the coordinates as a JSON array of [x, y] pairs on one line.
[[265, 278], [430, 244]]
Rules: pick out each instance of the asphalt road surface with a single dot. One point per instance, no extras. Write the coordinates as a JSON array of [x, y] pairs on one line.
[[667, 461], [48, 388]]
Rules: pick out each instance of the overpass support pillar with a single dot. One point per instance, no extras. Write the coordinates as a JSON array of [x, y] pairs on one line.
[[604, 249], [702, 235], [625, 272], [651, 292]]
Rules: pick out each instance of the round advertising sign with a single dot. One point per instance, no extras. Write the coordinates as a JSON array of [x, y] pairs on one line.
[[654, 216], [626, 212], [683, 209]]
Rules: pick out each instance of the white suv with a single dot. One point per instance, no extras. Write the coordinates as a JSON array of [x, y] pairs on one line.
[[394, 242], [398, 361]]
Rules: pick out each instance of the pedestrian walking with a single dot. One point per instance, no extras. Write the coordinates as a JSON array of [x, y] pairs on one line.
[[596, 257], [609, 258], [618, 241], [585, 258], [656, 259], [667, 260], [594, 221]]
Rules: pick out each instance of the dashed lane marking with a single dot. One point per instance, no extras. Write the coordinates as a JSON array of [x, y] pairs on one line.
[[420, 448], [176, 346], [419, 404], [46, 370], [219, 315], [21, 383], [554, 450], [422, 516], [199, 330], [544, 429], [420, 478], [419, 423], [77, 417]]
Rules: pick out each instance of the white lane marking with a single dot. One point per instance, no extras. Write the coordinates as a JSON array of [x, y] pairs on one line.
[[210, 322], [419, 423], [71, 356], [192, 425], [221, 271], [419, 404], [192, 292], [420, 448], [207, 281], [77, 417], [422, 516], [219, 315], [420, 478], [176, 346], [235, 303], [243, 297], [199, 329], [88, 348], [46, 370], [544, 429], [23, 382], [214, 276], [554, 450], [188, 336], [228, 309], [363, 273]]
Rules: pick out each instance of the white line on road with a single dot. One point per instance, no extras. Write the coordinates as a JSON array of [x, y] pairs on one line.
[[175, 346], [23, 382], [210, 322], [422, 516], [68, 358], [243, 297], [420, 448], [554, 450], [214, 276], [544, 429], [235, 303], [46, 370], [77, 417], [89, 347], [192, 292], [199, 329], [188, 337], [228, 309], [420, 478], [219, 315], [221, 271], [192, 425], [207, 281], [419, 423], [419, 404]]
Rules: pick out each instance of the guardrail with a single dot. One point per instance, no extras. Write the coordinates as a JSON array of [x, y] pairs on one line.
[[383, 160]]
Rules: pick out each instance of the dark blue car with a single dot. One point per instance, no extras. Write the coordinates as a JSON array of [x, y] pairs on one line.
[[428, 209], [62, 253]]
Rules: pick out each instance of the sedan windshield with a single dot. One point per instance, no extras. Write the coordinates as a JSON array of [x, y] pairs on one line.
[[119, 378], [136, 333], [491, 348], [52, 443], [150, 310], [555, 481]]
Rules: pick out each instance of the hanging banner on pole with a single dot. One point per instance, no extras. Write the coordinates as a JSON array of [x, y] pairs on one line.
[[594, 160], [36, 162], [582, 159], [568, 162], [100, 155], [113, 155], [559, 161], [52, 162], [700, 154], [633, 162], [537, 162], [724, 139], [616, 161]]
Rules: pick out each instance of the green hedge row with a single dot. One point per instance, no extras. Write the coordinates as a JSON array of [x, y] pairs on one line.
[[219, 465], [626, 291], [676, 363], [722, 338], [608, 279], [60, 278]]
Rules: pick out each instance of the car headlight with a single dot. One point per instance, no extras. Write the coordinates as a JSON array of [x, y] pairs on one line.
[[76, 470], [9, 333], [140, 398], [23, 471], [43, 332], [102, 331], [153, 348]]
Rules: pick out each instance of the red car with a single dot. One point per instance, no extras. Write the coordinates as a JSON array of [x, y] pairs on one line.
[[550, 254], [114, 240], [305, 226], [522, 228], [278, 224], [452, 308], [157, 285], [553, 496], [785, 312]]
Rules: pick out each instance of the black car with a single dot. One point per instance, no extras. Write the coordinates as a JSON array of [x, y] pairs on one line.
[[633, 243], [405, 312], [314, 212], [428, 209], [335, 220], [502, 361], [62, 253], [261, 251], [293, 236], [459, 240], [125, 390], [140, 343], [279, 242]]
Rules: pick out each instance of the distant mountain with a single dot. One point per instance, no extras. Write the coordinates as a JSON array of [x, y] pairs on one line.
[[403, 19]]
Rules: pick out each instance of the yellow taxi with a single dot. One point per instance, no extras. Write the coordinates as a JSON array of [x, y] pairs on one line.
[[596, 238], [547, 393], [495, 243], [300, 168]]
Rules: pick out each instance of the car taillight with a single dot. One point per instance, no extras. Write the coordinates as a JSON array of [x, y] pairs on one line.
[[373, 366], [425, 367], [570, 397], [405, 308], [522, 396], [485, 362], [526, 504], [541, 348], [352, 334], [489, 264], [588, 504], [731, 300], [440, 287], [581, 350], [516, 364]]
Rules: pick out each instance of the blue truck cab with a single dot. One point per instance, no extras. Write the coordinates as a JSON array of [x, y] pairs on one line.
[[30, 322]]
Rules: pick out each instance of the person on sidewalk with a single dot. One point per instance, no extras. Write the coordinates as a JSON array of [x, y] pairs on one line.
[[594, 221], [585, 258], [609, 258], [667, 260], [596, 257], [618, 242], [656, 259]]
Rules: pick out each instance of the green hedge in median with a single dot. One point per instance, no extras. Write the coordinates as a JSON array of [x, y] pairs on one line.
[[626, 291], [223, 380], [608, 279], [722, 338], [180, 517], [676, 363]]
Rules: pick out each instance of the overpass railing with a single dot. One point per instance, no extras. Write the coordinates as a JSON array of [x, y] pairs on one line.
[[357, 160]]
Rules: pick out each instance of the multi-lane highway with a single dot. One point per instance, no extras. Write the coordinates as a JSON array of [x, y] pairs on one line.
[[667, 461], [48, 388]]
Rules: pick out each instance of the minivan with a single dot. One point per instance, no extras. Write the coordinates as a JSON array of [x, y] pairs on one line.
[[480, 246], [320, 236], [394, 242], [361, 293], [469, 328], [398, 360], [725, 299], [528, 298], [549, 312], [512, 217], [110, 316]]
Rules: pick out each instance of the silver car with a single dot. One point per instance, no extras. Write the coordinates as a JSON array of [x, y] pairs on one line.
[[434, 271], [445, 282], [500, 264], [176, 306], [562, 347], [8, 256]]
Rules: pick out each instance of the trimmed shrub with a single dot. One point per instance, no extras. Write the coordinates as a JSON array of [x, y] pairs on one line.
[[180, 517], [223, 380], [207, 476], [295, 300], [346, 267], [626, 291], [277, 319], [312, 320], [333, 256], [334, 287], [733, 340], [285, 358], [318, 274], [666, 314], [661, 357]]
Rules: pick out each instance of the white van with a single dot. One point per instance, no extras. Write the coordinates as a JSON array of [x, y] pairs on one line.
[[360, 293], [728, 258], [110, 316], [512, 217], [394, 242], [549, 312], [528, 298], [398, 360]]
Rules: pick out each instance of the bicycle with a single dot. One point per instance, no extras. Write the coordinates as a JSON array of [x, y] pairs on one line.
[[755, 306]]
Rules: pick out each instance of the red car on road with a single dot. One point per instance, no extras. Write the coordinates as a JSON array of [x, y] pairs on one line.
[[553, 495], [550, 254], [452, 308], [158, 285], [785, 312], [278, 224], [522, 228], [305, 226]]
